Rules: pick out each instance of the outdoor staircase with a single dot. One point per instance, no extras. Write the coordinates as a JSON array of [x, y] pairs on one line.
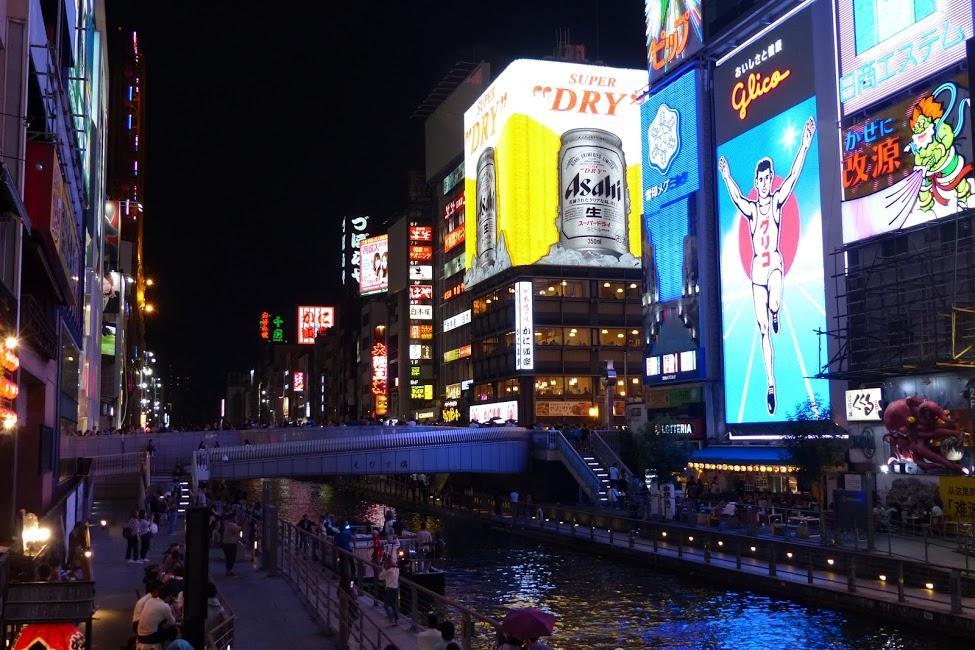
[[601, 472]]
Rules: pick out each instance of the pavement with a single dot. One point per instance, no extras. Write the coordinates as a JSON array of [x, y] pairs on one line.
[[269, 612]]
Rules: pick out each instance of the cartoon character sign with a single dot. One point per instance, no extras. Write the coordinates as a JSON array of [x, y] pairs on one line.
[[908, 163]]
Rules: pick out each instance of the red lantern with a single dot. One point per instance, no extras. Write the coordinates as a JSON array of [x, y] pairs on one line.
[[50, 636]]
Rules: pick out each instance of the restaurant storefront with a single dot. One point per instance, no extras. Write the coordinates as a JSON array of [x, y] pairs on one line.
[[724, 469]]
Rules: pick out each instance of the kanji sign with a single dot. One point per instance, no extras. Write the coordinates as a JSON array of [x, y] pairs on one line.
[[265, 326], [863, 405], [524, 329], [958, 495], [420, 292], [421, 233]]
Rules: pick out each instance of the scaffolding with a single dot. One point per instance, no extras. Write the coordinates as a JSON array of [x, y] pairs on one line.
[[904, 303]]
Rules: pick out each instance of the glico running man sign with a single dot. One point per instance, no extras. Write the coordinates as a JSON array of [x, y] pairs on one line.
[[770, 224]]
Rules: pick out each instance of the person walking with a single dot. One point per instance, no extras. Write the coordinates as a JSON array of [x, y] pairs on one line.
[[230, 540], [145, 535], [390, 577], [131, 535]]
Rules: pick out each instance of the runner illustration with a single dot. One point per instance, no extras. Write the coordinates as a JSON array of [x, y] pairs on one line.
[[764, 216]]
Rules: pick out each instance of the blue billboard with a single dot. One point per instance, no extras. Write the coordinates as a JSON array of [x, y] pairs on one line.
[[770, 229], [671, 180]]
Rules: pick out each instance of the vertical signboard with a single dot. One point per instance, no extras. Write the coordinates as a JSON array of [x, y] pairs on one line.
[[674, 33], [353, 233], [671, 179], [524, 328], [374, 272], [909, 162], [770, 224], [888, 45]]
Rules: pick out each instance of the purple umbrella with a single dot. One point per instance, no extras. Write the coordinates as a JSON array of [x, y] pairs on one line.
[[527, 623]]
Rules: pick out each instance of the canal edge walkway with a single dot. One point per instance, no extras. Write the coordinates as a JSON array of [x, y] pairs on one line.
[[252, 595]]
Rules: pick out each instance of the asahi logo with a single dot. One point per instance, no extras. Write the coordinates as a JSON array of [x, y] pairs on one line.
[[604, 187]]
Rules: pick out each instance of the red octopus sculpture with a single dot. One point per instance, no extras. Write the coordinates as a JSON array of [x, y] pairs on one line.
[[913, 424]]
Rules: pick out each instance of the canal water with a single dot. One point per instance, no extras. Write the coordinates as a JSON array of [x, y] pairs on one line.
[[607, 603]]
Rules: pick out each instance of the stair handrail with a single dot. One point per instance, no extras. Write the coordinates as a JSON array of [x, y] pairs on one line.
[[574, 461], [605, 452]]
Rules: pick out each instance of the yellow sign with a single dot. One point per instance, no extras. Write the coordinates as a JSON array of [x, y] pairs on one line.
[[553, 158], [958, 496]]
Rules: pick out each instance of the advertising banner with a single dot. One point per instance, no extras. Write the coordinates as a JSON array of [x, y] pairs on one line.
[[374, 272], [454, 238], [888, 45], [674, 33], [772, 288], [671, 177], [421, 233], [487, 412], [299, 381], [958, 495], [562, 409], [552, 163], [421, 253], [910, 162], [313, 321]]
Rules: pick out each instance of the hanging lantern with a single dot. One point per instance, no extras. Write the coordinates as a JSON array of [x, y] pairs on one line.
[[8, 389], [50, 636], [8, 418], [9, 360]]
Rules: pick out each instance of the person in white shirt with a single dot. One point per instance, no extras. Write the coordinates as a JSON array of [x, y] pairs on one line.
[[137, 612], [430, 638], [155, 613], [937, 511], [390, 577]]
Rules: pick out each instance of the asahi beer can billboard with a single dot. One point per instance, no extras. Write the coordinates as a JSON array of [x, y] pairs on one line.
[[552, 155]]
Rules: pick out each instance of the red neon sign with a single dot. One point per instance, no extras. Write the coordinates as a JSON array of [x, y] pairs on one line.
[[421, 253], [454, 238], [421, 233]]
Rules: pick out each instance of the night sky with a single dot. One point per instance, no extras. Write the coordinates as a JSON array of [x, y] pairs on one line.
[[269, 121]]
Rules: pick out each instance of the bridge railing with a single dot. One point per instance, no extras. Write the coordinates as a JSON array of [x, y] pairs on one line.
[[357, 613], [357, 443]]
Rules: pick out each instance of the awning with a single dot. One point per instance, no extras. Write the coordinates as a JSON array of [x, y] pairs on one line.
[[743, 458], [10, 197]]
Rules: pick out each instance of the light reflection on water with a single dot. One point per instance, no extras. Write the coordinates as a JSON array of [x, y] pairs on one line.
[[605, 603]]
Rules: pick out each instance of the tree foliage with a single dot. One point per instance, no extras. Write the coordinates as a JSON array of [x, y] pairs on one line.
[[810, 439], [666, 453]]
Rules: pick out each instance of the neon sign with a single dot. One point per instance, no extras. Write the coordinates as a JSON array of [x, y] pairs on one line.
[[757, 86], [379, 375], [265, 326], [674, 32]]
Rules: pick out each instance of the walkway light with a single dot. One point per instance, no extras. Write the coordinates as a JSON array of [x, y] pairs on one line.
[[720, 543], [10, 342], [103, 523], [789, 555], [752, 548], [830, 562], [663, 534], [690, 538], [882, 577], [929, 585]]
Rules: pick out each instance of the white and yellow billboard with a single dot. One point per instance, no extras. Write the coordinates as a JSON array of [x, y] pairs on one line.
[[552, 168]]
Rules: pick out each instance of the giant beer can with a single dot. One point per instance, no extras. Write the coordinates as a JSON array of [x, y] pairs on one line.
[[486, 208], [594, 204]]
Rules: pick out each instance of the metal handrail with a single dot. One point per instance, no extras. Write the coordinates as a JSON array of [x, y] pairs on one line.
[[577, 464], [605, 452], [115, 464], [293, 542], [356, 443]]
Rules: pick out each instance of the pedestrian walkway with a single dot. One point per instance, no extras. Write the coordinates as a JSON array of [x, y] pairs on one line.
[[268, 612]]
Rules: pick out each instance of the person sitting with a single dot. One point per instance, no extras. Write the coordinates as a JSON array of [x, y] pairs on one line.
[[729, 509], [156, 615]]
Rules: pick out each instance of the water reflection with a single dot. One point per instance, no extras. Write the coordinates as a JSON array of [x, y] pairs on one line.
[[605, 603]]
